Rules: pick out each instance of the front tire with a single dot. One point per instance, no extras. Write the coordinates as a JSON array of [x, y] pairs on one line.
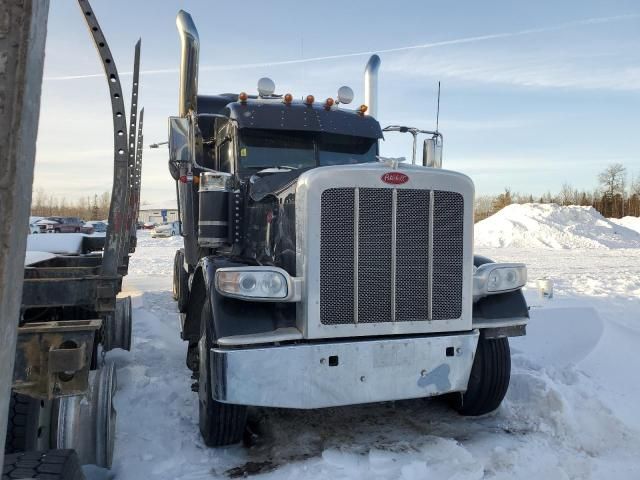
[[220, 423], [489, 379]]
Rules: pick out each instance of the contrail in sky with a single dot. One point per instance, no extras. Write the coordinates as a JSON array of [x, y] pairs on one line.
[[444, 43]]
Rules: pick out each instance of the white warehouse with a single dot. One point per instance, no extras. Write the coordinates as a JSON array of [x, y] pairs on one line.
[[158, 212]]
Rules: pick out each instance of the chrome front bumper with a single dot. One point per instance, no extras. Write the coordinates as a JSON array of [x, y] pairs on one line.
[[343, 373]]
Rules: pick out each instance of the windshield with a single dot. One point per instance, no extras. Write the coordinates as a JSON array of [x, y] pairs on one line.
[[260, 149], [343, 149]]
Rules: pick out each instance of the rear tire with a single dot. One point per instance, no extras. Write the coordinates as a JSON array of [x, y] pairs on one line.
[[220, 423], [22, 423], [50, 465], [489, 379]]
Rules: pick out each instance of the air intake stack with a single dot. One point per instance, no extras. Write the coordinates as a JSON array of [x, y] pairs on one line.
[[371, 85], [190, 51]]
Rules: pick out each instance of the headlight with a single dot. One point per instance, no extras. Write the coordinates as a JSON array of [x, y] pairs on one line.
[[492, 278], [254, 283], [507, 278]]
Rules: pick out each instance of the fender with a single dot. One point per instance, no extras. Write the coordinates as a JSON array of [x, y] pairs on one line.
[[505, 314], [230, 316]]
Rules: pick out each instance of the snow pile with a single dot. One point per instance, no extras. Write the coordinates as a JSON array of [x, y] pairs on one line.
[[534, 225], [632, 223], [62, 243]]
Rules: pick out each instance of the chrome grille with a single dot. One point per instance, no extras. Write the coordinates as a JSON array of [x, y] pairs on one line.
[[447, 255], [412, 253], [374, 255], [336, 247], [384, 253]]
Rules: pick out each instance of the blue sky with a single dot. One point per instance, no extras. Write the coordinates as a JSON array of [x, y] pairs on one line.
[[534, 94]]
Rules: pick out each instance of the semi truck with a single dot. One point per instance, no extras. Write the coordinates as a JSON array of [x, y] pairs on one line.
[[316, 273]]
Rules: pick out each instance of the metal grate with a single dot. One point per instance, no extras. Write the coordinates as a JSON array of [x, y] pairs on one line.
[[377, 258], [448, 220], [336, 250], [374, 255], [412, 253]]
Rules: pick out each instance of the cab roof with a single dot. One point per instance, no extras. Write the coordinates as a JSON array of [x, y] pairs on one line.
[[274, 114]]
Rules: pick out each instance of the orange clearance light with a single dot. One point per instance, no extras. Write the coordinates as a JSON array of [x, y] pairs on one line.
[[363, 109], [309, 100], [288, 98], [243, 97], [329, 103]]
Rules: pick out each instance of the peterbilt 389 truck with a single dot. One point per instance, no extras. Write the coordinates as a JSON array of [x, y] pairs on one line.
[[316, 273]]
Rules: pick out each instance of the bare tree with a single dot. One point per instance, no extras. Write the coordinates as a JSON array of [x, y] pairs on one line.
[[612, 178], [502, 200], [612, 181], [568, 195]]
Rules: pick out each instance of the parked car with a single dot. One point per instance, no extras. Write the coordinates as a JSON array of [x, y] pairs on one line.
[[42, 223], [166, 230], [98, 226], [33, 228], [66, 225]]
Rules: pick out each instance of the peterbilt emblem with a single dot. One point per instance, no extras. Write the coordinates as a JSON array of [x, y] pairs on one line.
[[394, 178]]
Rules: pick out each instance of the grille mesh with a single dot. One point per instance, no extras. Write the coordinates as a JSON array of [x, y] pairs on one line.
[[374, 255], [412, 256], [336, 250], [374, 262], [447, 255]]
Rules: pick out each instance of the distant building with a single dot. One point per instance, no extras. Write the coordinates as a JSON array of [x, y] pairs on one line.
[[158, 212]]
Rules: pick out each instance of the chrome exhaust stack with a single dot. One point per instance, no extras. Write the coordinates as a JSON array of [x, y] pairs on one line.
[[190, 41], [371, 85]]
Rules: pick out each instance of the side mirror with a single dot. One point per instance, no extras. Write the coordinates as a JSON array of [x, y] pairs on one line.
[[432, 152], [179, 136]]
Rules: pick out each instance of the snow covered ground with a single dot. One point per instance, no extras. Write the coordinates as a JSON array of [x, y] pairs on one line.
[[571, 411]]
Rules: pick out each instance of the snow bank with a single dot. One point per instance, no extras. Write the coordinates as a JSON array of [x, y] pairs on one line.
[[534, 225], [33, 257], [63, 243], [632, 223]]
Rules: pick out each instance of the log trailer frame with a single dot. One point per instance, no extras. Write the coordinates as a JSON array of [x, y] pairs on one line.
[[61, 409]]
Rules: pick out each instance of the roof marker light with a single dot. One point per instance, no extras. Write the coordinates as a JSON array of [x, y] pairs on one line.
[[266, 87], [345, 95], [329, 103], [243, 97], [309, 100], [363, 109], [288, 98]]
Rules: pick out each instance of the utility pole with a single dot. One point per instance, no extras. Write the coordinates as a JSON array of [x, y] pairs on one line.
[[23, 27]]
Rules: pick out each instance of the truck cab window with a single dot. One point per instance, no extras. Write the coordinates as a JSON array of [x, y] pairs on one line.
[[336, 149], [260, 149], [225, 156]]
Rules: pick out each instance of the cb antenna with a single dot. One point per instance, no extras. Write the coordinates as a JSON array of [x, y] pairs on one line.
[[438, 108]]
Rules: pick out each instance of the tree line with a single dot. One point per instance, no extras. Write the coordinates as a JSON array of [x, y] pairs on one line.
[[91, 207], [614, 197]]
